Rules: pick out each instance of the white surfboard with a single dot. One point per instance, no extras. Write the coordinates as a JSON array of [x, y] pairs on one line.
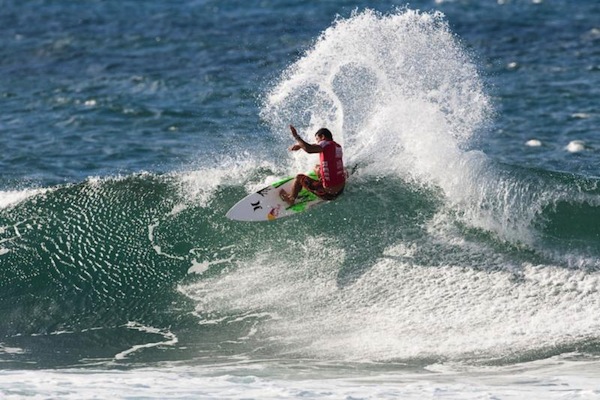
[[266, 205]]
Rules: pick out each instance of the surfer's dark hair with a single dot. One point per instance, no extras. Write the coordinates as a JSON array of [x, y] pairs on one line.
[[325, 132]]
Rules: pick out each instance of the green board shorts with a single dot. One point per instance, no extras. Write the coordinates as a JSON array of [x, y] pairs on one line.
[[316, 187]]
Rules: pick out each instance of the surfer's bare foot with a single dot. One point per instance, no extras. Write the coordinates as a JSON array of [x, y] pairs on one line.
[[286, 197]]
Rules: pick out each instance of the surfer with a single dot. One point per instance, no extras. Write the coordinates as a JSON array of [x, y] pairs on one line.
[[330, 170]]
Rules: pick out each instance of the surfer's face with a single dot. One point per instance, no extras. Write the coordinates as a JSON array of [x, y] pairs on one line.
[[319, 138]]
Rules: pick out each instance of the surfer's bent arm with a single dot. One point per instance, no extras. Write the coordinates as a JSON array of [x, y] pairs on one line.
[[302, 144]]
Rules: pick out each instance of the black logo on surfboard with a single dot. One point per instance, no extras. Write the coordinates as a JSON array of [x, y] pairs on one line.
[[264, 191], [256, 206]]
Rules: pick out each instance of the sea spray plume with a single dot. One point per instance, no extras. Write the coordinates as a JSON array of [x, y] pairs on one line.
[[399, 91], [403, 96], [406, 101], [368, 68]]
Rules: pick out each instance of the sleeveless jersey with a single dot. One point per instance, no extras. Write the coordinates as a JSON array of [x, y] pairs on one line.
[[332, 166]]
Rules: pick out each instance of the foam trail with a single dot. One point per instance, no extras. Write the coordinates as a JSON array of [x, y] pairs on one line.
[[170, 340]]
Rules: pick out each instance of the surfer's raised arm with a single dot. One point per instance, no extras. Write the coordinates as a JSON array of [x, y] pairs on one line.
[[302, 144]]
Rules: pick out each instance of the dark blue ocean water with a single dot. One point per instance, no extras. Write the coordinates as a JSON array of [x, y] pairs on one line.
[[103, 88], [467, 242]]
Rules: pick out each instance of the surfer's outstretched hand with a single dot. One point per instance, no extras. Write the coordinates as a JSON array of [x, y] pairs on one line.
[[294, 131], [296, 146]]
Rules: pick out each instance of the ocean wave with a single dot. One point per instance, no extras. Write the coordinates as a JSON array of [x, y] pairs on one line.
[[432, 246]]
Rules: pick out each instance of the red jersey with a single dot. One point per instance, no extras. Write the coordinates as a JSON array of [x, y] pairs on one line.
[[332, 166]]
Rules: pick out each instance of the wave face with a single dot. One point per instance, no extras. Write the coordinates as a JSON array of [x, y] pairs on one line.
[[435, 252]]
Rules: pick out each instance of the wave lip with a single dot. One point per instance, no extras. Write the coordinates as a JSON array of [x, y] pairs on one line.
[[13, 197]]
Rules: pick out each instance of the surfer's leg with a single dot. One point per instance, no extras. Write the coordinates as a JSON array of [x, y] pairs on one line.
[[316, 187], [290, 198], [299, 183], [286, 197], [312, 185]]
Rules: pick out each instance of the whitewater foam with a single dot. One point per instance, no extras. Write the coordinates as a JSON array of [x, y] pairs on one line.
[[13, 197], [406, 306], [199, 186], [554, 379]]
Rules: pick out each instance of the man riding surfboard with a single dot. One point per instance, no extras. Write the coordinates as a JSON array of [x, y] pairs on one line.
[[330, 170]]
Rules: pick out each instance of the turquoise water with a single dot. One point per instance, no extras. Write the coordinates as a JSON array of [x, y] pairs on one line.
[[462, 260]]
